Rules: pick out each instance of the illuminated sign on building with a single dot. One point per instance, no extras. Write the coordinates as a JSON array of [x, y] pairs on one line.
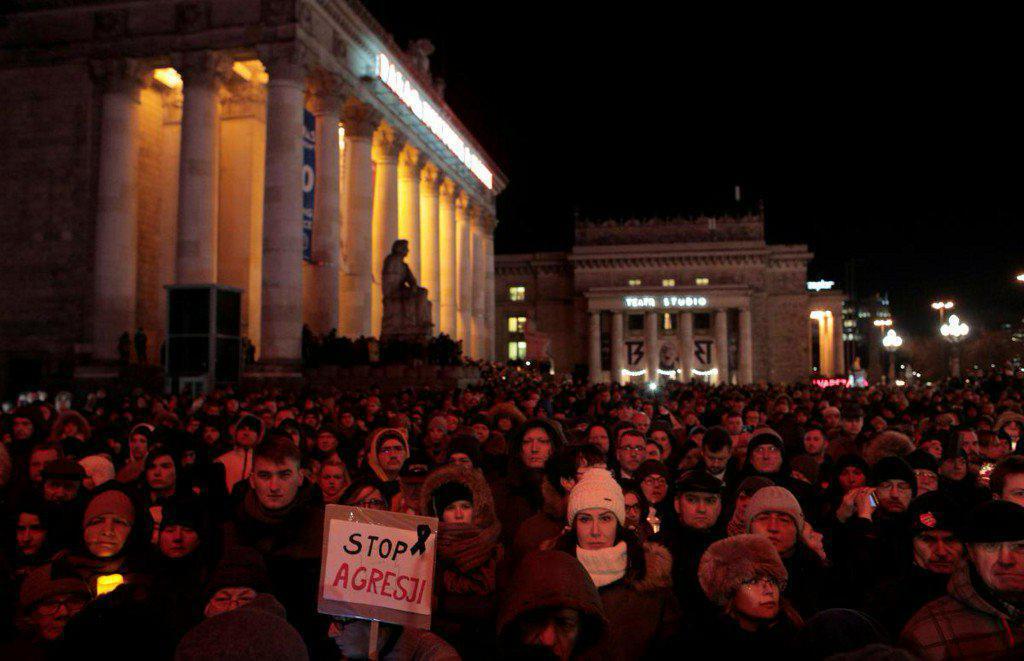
[[830, 383], [410, 96], [665, 301], [819, 285]]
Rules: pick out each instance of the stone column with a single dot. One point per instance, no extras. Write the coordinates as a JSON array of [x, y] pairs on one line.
[[746, 347], [479, 284], [326, 247], [357, 282], [463, 271], [116, 254], [594, 346], [838, 354], [410, 166], [489, 320], [281, 311], [651, 344], [722, 345], [202, 74], [618, 348], [386, 146], [170, 145], [430, 246], [686, 346], [448, 248]]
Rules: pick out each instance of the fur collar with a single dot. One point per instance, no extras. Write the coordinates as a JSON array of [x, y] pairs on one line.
[[657, 570]]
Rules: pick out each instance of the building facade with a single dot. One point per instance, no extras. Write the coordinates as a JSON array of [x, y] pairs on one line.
[[703, 298], [159, 143]]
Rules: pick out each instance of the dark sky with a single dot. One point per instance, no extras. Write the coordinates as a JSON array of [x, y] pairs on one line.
[[895, 141]]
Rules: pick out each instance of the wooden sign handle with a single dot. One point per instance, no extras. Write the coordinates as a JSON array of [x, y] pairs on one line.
[[374, 631]]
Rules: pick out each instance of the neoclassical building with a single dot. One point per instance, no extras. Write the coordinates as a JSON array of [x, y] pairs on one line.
[[645, 301], [275, 146]]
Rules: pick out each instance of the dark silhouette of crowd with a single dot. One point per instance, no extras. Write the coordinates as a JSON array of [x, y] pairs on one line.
[[575, 521]]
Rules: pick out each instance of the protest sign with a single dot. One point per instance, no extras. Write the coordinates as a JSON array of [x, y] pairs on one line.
[[377, 565]]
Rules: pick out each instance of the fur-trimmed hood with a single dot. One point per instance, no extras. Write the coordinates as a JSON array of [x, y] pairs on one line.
[[375, 440], [657, 569], [889, 443], [472, 479]]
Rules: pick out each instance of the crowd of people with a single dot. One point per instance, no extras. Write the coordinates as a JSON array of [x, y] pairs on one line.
[[575, 521]]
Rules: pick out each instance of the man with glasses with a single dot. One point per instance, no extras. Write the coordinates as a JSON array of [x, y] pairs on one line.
[[46, 603], [980, 617], [630, 452]]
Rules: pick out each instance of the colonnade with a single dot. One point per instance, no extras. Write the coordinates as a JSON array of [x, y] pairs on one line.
[[684, 336], [372, 187]]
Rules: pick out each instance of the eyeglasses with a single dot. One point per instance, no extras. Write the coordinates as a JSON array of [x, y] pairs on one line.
[[763, 581], [654, 480], [72, 603], [390, 450], [633, 449]]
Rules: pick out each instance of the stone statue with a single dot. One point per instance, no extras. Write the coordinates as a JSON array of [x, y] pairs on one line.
[[406, 307]]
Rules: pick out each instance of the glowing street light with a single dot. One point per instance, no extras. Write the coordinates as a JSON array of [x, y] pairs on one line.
[[954, 331], [941, 307], [1020, 277], [892, 342], [881, 323]]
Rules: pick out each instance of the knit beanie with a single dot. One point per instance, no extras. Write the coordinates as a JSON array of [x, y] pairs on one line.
[[775, 499], [99, 468], [596, 489], [113, 501], [255, 631], [467, 445], [921, 459], [448, 493], [995, 521], [894, 468], [729, 562], [765, 436], [40, 584], [242, 567], [652, 467]]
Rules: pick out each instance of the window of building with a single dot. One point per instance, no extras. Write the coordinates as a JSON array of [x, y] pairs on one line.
[[635, 282], [701, 281], [668, 321], [517, 350], [516, 324], [517, 293], [701, 321], [668, 282], [635, 322]]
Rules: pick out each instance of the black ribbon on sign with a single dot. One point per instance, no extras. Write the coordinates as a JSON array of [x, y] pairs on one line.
[[423, 534]]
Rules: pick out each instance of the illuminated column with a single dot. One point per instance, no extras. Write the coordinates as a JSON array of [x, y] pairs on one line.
[[489, 321], [430, 246], [722, 345], [746, 347], [686, 346], [170, 145], [357, 282], [479, 285], [594, 346], [618, 347], [386, 146], [410, 165], [651, 344], [281, 314], [326, 247], [463, 272], [197, 181], [116, 201], [447, 245]]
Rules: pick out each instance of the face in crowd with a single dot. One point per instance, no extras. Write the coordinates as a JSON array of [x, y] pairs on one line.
[[275, 484], [595, 528], [779, 528], [1001, 566], [937, 551], [106, 534], [851, 477], [698, 510], [138, 446], [852, 426], [556, 629], [161, 474], [766, 458], [332, 481], [536, 448], [228, 599], [893, 495], [814, 442], [716, 462], [177, 541], [37, 462], [29, 533], [48, 617], [655, 488], [755, 602], [598, 436], [459, 511], [391, 455], [630, 451]]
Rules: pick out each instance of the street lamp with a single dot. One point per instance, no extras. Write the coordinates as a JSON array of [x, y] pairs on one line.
[[1020, 277], [892, 341], [954, 331], [941, 307]]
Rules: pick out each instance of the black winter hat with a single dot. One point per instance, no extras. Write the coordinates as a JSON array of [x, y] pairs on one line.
[[182, 512], [448, 493], [934, 511], [894, 468], [995, 521], [257, 630], [64, 469], [467, 445], [921, 459], [241, 567], [765, 437], [698, 480]]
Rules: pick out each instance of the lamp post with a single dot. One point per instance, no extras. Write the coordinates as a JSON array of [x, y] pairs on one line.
[[892, 341], [941, 307], [954, 331]]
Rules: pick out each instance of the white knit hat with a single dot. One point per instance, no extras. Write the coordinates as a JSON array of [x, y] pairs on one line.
[[596, 489]]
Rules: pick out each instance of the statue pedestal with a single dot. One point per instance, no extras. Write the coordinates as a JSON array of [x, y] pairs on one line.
[[406, 319]]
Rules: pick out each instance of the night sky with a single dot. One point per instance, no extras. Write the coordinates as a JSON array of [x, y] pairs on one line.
[[891, 142]]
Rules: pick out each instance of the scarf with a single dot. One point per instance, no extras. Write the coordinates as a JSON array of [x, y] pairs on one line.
[[470, 555], [605, 566]]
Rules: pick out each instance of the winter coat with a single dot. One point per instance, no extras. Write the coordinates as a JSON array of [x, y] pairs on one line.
[[544, 526], [467, 561], [644, 613], [965, 623], [723, 638], [896, 599]]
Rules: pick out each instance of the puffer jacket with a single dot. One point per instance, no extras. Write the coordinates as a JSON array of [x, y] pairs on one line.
[[965, 623]]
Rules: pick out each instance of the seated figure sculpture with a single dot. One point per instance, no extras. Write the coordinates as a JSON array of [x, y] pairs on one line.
[[406, 307]]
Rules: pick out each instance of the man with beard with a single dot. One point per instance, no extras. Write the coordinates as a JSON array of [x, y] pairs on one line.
[[933, 537], [980, 615]]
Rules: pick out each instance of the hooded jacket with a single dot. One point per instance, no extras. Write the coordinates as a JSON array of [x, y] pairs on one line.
[[372, 446], [517, 497], [965, 623]]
